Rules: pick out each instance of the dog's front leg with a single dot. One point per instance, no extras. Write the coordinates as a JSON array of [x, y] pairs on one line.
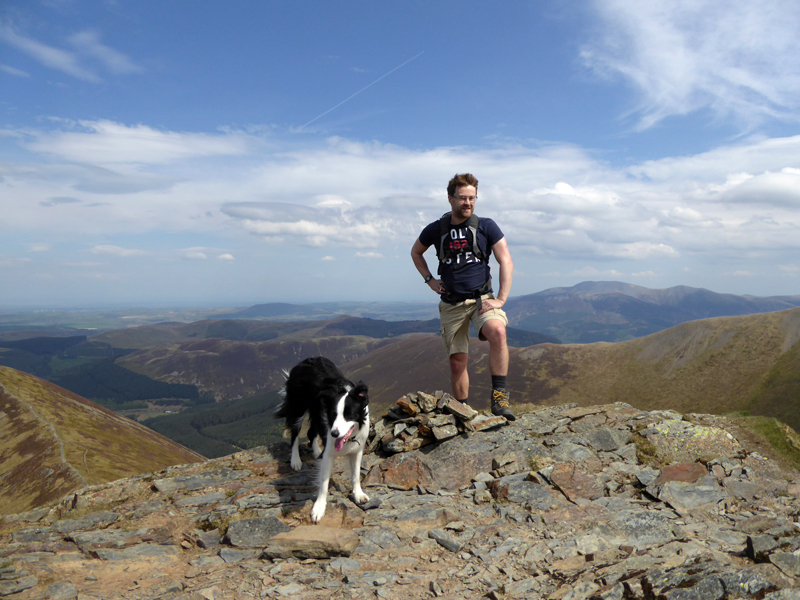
[[325, 465], [296, 463], [355, 471]]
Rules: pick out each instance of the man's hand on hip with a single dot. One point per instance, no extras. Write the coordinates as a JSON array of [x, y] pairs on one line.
[[437, 286], [490, 304]]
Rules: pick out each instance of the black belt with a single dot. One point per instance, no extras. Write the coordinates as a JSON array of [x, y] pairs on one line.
[[452, 298]]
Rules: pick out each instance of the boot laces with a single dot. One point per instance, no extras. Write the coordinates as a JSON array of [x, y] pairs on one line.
[[500, 397]]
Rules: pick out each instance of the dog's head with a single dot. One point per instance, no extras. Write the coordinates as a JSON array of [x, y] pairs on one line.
[[349, 412]]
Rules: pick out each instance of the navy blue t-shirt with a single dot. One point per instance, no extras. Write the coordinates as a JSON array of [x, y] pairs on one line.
[[475, 273]]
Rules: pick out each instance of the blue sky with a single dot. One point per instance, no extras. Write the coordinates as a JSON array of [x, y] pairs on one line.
[[209, 153]]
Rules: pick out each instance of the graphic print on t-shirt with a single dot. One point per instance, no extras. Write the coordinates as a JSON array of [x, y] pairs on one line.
[[458, 246]]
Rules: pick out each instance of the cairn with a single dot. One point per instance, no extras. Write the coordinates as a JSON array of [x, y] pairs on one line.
[[418, 419]]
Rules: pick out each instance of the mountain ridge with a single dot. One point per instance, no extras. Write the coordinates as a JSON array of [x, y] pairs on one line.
[[53, 441], [615, 311]]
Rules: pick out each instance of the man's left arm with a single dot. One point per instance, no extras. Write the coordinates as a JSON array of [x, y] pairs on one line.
[[505, 273]]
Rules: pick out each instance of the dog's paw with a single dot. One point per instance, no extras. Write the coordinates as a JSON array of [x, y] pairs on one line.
[[297, 464], [318, 511], [360, 497]]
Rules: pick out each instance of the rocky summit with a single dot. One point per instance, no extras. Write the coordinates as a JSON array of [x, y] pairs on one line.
[[566, 503]]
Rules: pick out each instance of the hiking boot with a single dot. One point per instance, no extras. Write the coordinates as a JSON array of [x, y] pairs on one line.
[[500, 405]]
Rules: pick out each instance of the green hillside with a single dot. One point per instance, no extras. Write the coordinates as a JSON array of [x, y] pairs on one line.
[[223, 428]]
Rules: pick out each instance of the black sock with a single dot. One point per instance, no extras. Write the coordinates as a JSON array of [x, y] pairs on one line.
[[498, 382]]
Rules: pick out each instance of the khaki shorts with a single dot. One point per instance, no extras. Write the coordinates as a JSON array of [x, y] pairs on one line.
[[455, 320]]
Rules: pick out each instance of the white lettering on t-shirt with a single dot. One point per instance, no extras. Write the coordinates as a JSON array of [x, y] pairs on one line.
[[459, 243]]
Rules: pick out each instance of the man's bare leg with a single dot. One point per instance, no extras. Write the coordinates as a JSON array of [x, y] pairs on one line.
[[459, 378], [495, 333]]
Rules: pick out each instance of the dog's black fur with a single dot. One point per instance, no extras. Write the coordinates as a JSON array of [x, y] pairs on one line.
[[339, 416]]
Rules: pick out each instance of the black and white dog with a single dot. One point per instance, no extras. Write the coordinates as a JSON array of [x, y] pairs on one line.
[[339, 415]]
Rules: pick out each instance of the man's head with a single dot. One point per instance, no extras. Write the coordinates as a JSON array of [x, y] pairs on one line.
[[462, 192], [461, 180]]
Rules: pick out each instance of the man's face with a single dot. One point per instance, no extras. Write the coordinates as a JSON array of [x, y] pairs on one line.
[[463, 203]]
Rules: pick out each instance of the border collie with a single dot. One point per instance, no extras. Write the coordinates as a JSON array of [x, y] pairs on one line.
[[339, 416]]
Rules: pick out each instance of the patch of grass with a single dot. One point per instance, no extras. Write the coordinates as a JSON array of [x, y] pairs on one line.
[[781, 438], [646, 452]]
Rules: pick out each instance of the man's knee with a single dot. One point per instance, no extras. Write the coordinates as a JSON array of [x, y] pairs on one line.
[[458, 362], [494, 331]]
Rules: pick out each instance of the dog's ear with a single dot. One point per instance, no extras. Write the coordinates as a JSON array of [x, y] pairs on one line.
[[361, 389]]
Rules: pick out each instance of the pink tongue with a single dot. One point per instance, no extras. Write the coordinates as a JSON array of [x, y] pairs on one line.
[[339, 443]]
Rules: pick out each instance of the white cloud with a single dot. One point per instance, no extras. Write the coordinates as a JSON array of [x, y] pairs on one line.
[[53, 58], [105, 142], [738, 59], [117, 251], [87, 47], [595, 273], [59, 200], [13, 71], [555, 203], [775, 189], [226, 256], [11, 261], [88, 43]]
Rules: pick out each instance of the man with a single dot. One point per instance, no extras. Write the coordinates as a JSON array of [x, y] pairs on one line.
[[463, 245]]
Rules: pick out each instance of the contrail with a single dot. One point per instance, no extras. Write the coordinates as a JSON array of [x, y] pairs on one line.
[[362, 89]]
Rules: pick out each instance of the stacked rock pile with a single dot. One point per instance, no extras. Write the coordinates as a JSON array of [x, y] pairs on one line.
[[418, 419]]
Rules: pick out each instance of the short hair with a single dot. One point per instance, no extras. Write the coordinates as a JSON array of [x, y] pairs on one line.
[[460, 180]]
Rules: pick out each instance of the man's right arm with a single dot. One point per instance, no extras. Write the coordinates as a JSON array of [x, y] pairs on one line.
[[417, 252]]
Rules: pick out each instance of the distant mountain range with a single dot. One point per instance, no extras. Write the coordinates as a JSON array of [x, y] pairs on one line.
[[610, 311], [281, 311], [592, 311]]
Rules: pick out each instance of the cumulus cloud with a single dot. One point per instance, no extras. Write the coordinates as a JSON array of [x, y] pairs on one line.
[[553, 202], [737, 59], [326, 223], [768, 189], [195, 253], [226, 256]]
